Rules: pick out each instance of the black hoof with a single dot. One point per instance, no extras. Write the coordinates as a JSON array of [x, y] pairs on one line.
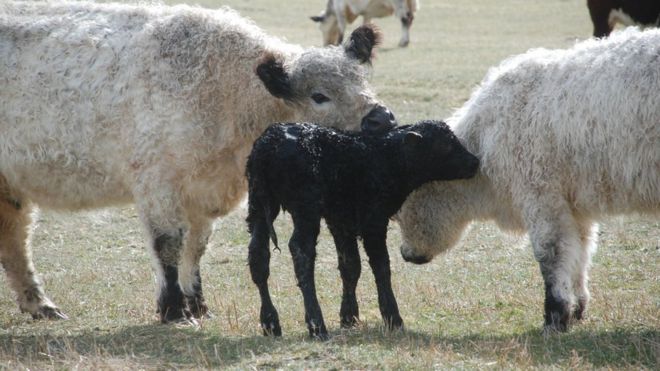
[[318, 332], [578, 313], [270, 323], [349, 321], [49, 312], [271, 329], [197, 307], [394, 323], [176, 316]]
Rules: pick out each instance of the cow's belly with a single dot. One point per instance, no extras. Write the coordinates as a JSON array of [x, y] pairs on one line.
[[68, 186]]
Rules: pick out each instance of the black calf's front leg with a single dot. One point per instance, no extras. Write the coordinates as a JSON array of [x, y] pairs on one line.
[[167, 247], [303, 251], [379, 260], [348, 258], [259, 261]]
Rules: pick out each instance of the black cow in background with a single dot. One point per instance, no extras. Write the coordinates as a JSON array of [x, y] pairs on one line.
[[606, 13]]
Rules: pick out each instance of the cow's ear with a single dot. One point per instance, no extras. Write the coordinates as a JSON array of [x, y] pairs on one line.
[[362, 42], [412, 139], [275, 78], [318, 18]]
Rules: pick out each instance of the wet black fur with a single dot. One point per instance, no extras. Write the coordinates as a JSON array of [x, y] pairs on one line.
[[356, 182]]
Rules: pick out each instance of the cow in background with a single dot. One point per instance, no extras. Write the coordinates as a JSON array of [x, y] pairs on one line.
[[606, 13], [339, 13]]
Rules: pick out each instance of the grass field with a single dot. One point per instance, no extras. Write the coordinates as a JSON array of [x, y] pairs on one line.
[[478, 306]]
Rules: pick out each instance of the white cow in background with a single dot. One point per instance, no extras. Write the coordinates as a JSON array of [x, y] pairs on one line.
[[339, 13]]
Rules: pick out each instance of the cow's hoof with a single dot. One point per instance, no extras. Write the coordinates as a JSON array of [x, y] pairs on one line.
[[578, 312], [271, 329], [175, 316], [403, 43], [394, 323], [270, 322], [556, 323], [349, 321], [318, 332], [49, 312], [198, 307]]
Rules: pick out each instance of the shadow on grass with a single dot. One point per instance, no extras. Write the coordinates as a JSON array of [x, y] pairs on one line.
[[160, 345], [619, 347]]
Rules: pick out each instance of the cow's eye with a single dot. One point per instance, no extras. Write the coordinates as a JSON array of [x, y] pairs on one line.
[[320, 98]]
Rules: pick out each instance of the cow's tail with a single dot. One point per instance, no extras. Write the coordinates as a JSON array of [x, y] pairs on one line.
[[262, 209]]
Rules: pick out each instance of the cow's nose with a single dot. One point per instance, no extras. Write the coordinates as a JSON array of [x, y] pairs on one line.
[[415, 259], [379, 120]]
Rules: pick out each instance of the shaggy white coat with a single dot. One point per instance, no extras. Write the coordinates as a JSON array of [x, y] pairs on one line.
[[565, 137], [103, 104]]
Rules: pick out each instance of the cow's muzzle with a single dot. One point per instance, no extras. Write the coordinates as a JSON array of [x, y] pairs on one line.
[[379, 120]]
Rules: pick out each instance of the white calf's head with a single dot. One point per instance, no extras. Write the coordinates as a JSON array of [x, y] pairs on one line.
[[432, 220], [329, 85]]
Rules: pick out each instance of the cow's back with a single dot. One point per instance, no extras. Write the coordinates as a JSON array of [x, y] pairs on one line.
[[91, 92], [582, 121]]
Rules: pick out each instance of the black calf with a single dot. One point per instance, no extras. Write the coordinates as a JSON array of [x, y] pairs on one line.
[[356, 182]]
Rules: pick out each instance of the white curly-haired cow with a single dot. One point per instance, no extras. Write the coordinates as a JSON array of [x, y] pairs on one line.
[[103, 104], [340, 13], [565, 137]]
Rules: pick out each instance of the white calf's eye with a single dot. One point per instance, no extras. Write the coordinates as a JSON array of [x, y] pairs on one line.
[[320, 98]]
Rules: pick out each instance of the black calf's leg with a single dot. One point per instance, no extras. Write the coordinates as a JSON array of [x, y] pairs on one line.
[[167, 248], [303, 251], [379, 260], [259, 261], [348, 258]]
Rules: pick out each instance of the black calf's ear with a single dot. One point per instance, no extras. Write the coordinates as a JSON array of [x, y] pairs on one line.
[[317, 18], [411, 139], [274, 76], [362, 42]]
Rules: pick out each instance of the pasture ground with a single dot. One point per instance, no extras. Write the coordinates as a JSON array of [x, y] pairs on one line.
[[478, 306]]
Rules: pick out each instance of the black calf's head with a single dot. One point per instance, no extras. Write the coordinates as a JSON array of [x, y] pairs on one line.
[[433, 152]]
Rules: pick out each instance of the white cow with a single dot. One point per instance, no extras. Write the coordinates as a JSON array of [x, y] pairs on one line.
[[565, 137], [339, 13], [104, 104]]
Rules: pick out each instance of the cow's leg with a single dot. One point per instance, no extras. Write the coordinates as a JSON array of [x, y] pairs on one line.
[[16, 259], [588, 238], [379, 261], [348, 258], [405, 16], [306, 224], [600, 17], [556, 241], [163, 218], [194, 245], [259, 261]]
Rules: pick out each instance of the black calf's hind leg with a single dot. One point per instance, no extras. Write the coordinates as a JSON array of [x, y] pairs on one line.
[[348, 258], [303, 251], [259, 261], [379, 260]]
